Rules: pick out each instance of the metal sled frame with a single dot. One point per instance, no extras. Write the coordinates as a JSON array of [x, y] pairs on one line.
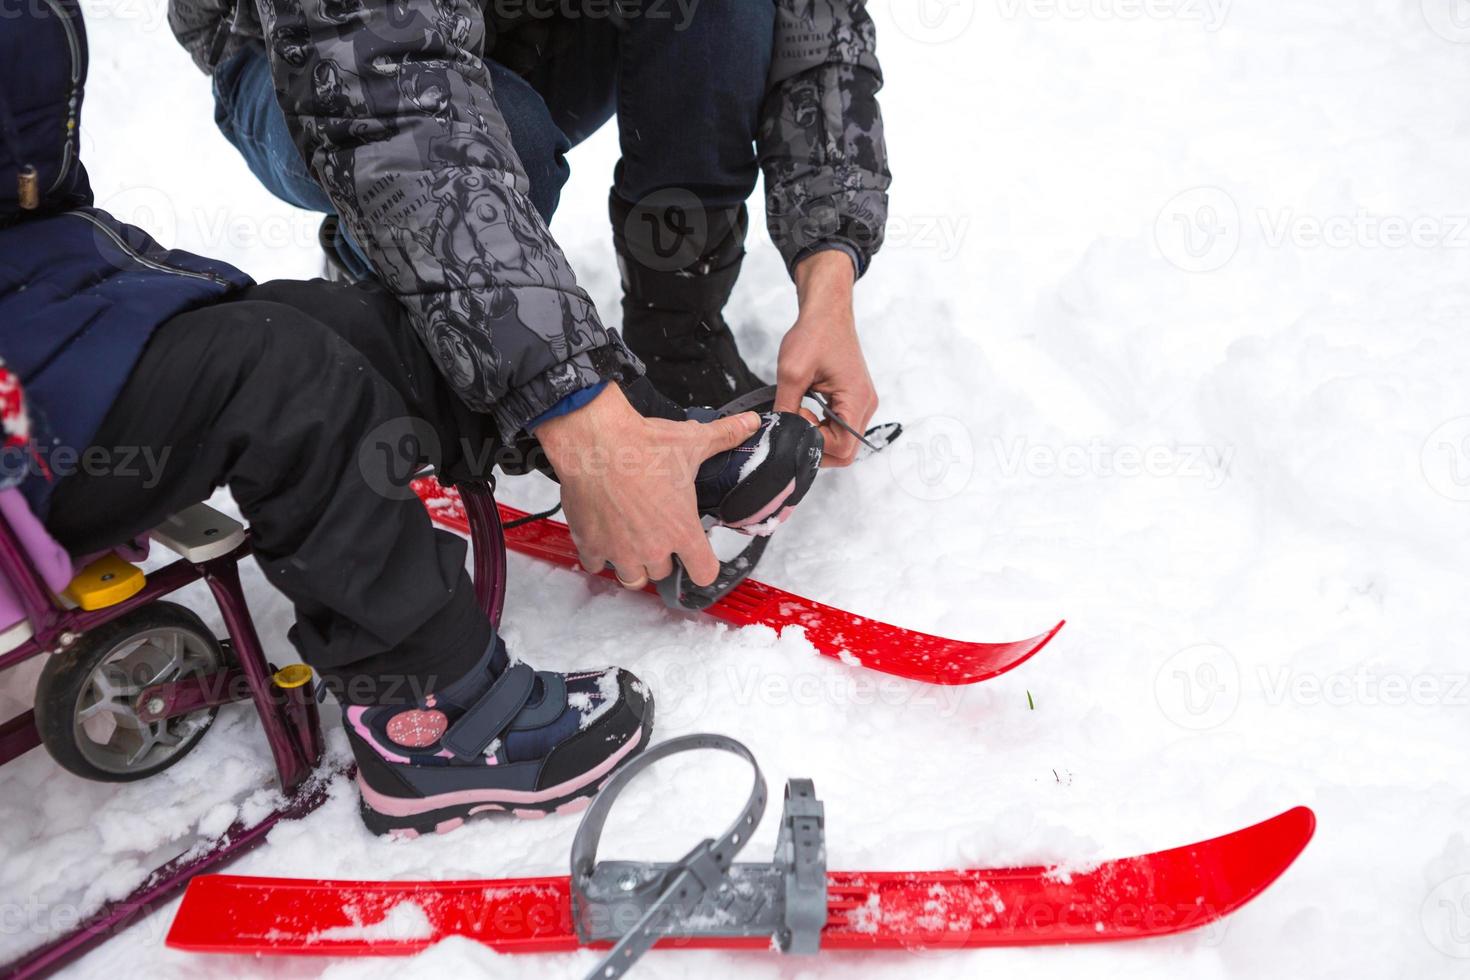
[[288, 712]]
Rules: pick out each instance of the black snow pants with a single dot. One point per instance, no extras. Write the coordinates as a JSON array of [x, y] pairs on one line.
[[300, 397]]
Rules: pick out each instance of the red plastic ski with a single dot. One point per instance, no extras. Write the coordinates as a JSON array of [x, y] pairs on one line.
[[1131, 898], [841, 635]]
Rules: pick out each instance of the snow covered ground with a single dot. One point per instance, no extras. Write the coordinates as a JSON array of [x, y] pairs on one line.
[[1174, 306]]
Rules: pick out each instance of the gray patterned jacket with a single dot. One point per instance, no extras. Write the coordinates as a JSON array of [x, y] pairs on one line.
[[392, 108]]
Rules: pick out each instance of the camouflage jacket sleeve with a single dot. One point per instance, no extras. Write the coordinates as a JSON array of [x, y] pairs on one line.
[[821, 135], [394, 113]]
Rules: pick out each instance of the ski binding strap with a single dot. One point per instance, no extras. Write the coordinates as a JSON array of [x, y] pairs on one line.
[[635, 904]]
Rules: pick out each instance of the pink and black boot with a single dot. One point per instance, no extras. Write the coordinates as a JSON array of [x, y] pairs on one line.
[[502, 739], [754, 487]]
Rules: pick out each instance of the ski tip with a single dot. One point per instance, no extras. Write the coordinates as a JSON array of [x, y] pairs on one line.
[[1294, 830], [1033, 646], [1245, 863], [965, 662], [1289, 831]]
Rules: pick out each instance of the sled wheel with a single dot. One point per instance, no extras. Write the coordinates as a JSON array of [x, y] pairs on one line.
[[85, 710]]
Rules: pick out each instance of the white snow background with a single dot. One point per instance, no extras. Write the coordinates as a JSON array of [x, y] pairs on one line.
[[1174, 307]]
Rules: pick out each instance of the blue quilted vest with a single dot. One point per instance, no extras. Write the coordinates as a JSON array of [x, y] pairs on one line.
[[80, 292]]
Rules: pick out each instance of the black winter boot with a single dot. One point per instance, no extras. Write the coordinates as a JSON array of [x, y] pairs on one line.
[[672, 303]]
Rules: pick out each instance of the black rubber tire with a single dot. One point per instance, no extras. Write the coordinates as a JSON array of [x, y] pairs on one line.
[[66, 675]]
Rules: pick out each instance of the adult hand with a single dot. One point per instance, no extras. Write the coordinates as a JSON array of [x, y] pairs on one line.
[[627, 486], [821, 352]]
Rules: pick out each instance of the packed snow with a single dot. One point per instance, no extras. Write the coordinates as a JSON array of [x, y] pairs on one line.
[[1173, 309]]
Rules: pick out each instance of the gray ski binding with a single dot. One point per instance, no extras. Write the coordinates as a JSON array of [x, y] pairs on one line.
[[706, 893]]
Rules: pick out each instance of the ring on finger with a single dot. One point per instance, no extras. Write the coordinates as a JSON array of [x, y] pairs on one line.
[[636, 583]]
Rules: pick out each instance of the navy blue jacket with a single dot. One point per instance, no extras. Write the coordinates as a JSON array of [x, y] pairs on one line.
[[80, 292]]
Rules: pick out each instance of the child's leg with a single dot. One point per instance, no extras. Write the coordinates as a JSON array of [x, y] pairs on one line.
[[372, 321], [272, 401], [265, 399]]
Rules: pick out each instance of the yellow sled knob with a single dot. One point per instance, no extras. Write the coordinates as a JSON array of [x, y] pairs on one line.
[[292, 676], [106, 582]]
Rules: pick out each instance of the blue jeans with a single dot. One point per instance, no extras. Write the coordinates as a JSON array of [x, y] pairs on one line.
[[686, 93], [247, 113]]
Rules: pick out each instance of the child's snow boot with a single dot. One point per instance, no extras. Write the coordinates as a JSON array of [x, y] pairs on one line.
[[503, 738], [754, 487]]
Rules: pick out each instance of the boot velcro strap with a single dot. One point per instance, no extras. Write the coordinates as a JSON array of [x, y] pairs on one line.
[[553, 702], [491, 714]]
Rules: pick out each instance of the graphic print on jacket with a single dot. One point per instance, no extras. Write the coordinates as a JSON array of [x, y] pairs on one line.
[[392, 108]]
